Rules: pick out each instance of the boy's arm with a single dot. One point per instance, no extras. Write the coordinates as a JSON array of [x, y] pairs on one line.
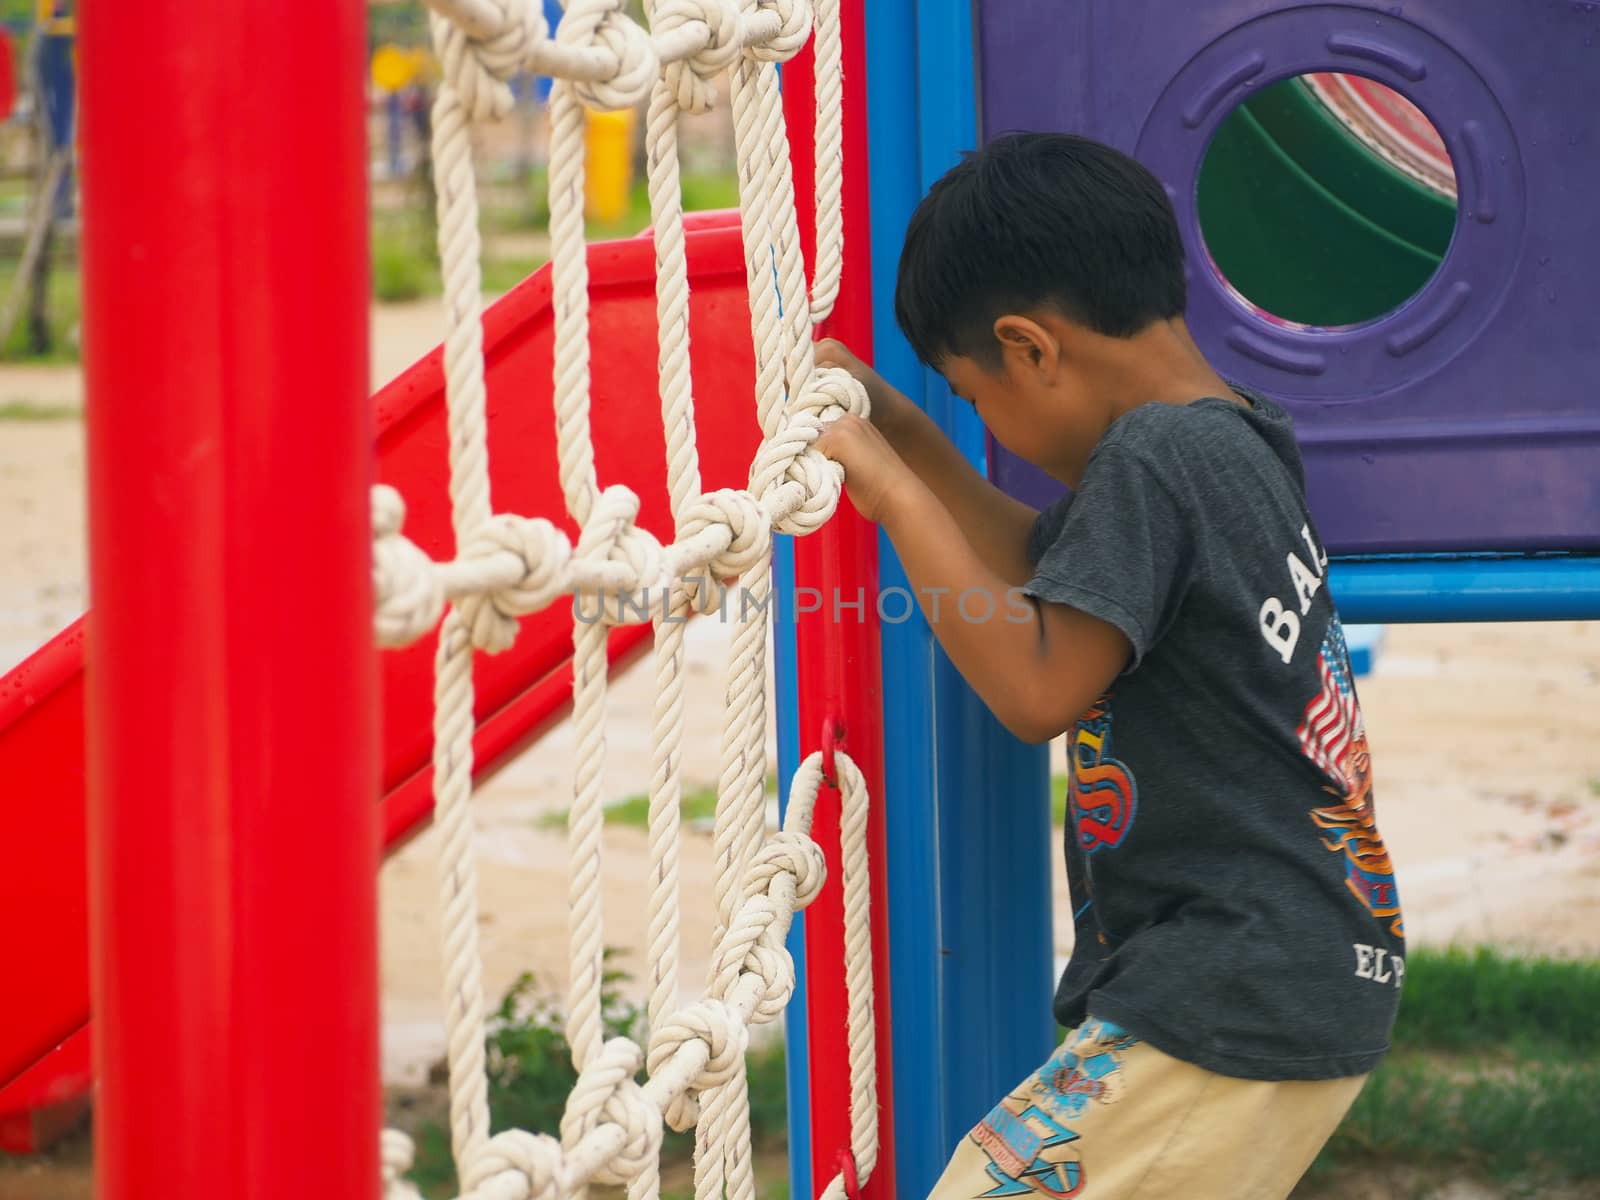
[[1037, 666], [988, 518]]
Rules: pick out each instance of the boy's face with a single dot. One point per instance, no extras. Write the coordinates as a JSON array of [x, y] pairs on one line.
[[1043, 417]]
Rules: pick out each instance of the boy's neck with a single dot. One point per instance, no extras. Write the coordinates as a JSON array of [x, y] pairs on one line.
[[1160, 365]]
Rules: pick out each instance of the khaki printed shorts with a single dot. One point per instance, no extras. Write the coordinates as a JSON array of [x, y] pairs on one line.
[[1110, 1117]]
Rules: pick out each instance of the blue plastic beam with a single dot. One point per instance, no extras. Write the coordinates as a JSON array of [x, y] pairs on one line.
[[1474, 588], [970, 843], [910, 731], [786, 688], [996, 844]]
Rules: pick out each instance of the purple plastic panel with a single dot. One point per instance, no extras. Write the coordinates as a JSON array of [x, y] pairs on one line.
[[1469, 418]]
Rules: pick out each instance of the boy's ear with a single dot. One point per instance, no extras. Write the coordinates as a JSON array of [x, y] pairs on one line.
[[1029, 341]]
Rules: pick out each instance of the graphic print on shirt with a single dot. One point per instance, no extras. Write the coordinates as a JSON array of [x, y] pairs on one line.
[[1027, 1138], [1334, 737], [1103, 792]]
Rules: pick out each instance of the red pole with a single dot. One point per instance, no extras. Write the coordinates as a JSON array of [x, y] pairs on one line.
[[838, 652], [232, 677]]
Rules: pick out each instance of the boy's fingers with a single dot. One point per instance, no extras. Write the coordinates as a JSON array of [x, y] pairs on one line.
[[833, 434], [833, 353]]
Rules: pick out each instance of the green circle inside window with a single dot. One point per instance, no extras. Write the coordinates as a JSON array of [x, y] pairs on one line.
[[1327, 200]]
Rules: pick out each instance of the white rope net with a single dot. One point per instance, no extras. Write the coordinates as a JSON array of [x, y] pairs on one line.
[[508, 566]]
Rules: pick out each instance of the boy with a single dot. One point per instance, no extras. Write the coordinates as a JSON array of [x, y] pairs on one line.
[[1238, 953]]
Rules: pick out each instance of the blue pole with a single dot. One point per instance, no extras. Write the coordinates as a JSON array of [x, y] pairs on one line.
[[994, 813], [57, 86], [921, 1133], [1466, 588], [786, 689], [968, 806], [394, 120]]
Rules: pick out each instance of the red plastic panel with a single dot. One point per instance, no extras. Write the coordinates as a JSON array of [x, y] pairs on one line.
[[520, 692], [46, 1100], [840, 666]]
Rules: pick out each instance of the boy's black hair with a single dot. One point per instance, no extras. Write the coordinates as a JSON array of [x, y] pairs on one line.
[[1037, 219]]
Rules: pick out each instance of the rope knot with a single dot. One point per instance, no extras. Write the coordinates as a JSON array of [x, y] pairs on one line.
[[750, 530], [793, 854], [397, 1155], [713, 1023], [798, 486], [606, 1093], [753, 945], [775, 965], [533, 1161], [834, 391], [410, 596], [479, 65], [615, 562], [794, 27], [537, 551], [610, 60], [692, 81]]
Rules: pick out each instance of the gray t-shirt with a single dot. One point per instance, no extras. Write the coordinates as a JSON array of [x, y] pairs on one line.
[[1234, 904]]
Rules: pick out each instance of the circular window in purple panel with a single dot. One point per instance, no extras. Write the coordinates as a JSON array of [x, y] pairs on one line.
[[1351, 196], [1326, 201]]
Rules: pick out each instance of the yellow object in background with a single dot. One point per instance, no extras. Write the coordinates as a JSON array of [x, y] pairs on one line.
[[394, 68], [55, 18], [609, 178]]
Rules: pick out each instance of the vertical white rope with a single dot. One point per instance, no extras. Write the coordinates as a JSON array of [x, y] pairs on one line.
[[458, 894], [672, 298], [754, 196], [828, 151], [460, 253], [762, 134], [683, 483], [796, 339], [460, 257], [858, 969], [722, 1159], [586, 931], [666, 794], [665, 826], [569, 279]]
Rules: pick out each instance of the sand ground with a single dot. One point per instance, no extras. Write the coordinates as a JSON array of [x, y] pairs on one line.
[[1486, 744]]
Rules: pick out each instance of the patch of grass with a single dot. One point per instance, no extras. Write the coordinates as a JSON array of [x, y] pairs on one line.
[[63, 314], [1058, 800], [1486, 1003], [405, 261], [434, 1170], [769, 1163], [529, 1068], [503, 274], [405, 265], [1494, 1073], [707, 191], [702, 191], [28, 410], [530, 1074], [1535, 1125], [634, 812]]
